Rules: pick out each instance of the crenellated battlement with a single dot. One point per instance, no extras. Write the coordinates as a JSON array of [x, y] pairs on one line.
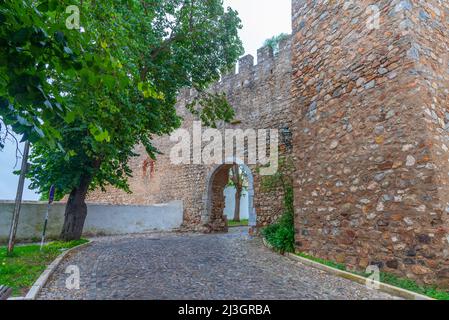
[[362, 113], [269, 64], [266, 60]]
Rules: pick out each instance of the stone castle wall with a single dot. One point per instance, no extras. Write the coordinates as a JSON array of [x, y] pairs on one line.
[[370, 137], [260, 95], [368, 109]]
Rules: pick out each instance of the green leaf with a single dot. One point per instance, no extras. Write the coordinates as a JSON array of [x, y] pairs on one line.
[[59, 37], [21, 36], [70, 117], [52, 5], [43, 7], [99, 134], [109, 81]]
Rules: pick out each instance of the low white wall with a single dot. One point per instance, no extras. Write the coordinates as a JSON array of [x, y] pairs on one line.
[[101, 219]]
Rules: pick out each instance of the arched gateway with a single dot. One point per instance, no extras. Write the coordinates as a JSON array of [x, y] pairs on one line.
[[213, 216], [368, 110], [260, 95]]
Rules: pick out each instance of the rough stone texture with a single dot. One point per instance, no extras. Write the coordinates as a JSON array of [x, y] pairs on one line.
[[260, 95], [219, 181], [368, 109], [370, 137], [195, 267]]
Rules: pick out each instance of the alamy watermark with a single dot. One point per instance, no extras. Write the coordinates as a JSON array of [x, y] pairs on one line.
[[73, 20], [216, 147], [373, 280], [73, 280]]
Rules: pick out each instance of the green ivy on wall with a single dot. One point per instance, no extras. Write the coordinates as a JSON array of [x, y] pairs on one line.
[[281, 234]]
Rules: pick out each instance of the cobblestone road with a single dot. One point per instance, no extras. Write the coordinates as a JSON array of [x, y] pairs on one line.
[[176, 266]]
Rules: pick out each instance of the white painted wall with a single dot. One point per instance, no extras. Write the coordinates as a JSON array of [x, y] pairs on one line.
[[229, 193], [101, 219]]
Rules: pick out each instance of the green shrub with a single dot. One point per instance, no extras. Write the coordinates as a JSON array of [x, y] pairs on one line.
[[281, 235], [274, 42]]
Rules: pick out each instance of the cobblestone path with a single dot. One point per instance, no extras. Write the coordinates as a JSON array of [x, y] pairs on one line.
[[178, 266]]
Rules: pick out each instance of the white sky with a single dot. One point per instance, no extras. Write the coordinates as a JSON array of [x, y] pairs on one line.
[[261, 19], [9, 181]]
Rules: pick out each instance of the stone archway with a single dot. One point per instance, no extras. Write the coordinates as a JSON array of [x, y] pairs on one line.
[[213, 217]]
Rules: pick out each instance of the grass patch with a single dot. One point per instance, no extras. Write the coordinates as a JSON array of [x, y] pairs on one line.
[[331, 264], [388, 278], [241, 223], [20, 270]]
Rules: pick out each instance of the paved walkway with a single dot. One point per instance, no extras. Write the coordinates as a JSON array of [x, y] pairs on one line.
[[174, 266]]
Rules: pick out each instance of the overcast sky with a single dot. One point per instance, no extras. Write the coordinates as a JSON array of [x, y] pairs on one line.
[[261, 19], [8, 181]]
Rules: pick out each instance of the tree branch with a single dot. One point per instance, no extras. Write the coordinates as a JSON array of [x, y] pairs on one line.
[[9, 136]]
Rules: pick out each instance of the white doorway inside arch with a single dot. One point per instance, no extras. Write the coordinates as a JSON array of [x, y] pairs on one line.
[[214, 217]]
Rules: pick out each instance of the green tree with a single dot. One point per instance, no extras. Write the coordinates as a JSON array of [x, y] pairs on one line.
[[161, 46], [38, 53], [238, 178]]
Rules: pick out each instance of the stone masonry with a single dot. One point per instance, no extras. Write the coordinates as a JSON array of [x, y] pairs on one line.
[[370, 137], [260, 96], [364, 90]]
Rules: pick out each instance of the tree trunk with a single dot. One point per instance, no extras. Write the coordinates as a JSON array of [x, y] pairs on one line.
[[237, 180], [76, 211], [238, 194]]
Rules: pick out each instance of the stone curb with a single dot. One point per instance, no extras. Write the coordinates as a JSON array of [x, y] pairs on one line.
[[42, 280], [402, 293]]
